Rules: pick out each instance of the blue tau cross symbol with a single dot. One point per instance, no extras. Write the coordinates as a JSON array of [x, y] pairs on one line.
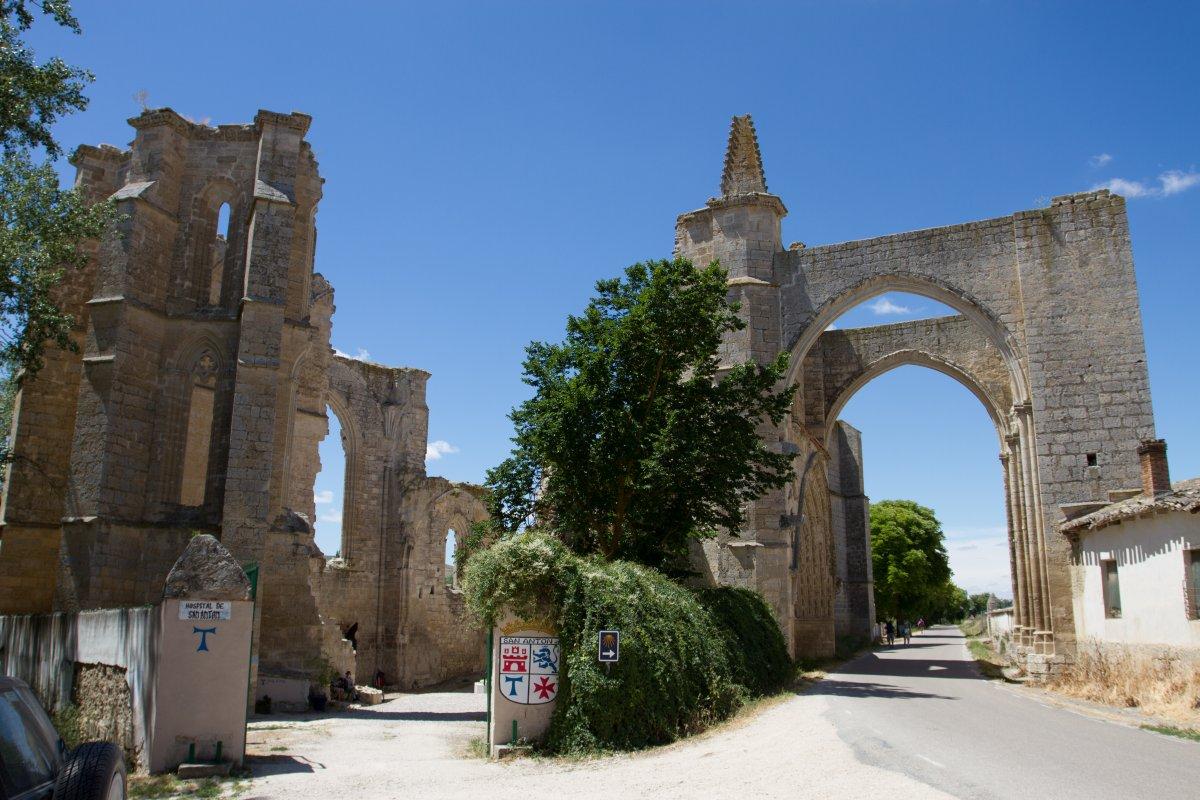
[[204, 632]]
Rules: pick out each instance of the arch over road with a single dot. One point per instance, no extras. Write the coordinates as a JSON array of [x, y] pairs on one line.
[[1049, 338]]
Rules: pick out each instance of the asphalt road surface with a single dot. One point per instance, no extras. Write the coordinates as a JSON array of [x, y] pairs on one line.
[[923, 710]]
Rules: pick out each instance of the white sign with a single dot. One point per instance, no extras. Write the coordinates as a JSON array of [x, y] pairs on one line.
[[529, 669], [204, 609]]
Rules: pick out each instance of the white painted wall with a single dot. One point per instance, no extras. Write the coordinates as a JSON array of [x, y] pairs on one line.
[[1000, 622], [1151, 568]]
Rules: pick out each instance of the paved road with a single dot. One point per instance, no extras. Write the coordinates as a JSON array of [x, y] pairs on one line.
[[924, 711]]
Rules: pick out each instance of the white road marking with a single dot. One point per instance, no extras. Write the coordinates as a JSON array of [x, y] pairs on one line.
[[931, 761]]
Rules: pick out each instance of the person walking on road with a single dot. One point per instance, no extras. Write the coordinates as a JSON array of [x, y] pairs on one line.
[[920, 625], [906, 632], [889, 631]]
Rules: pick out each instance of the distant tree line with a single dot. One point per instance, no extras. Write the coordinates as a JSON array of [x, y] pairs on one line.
[[912, 568]]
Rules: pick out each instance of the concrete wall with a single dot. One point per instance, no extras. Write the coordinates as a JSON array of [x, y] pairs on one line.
[[1000, 623], [1150, 557], [201, 687]]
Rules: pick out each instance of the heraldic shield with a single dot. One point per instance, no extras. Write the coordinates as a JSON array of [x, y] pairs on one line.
[[529, 669]]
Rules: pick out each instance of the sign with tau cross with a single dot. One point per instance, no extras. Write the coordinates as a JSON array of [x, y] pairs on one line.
[[529, 669]]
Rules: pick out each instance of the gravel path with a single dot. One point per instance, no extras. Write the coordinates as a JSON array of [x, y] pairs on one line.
[[416, 746]]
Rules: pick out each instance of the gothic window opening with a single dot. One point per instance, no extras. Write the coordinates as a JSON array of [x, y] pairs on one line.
[[451, 559], [331, 489], [220, 247]]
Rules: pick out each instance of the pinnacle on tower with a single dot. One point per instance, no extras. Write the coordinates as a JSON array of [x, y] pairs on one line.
[[743, 163]]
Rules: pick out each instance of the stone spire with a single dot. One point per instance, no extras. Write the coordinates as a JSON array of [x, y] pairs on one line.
[[743, 163]]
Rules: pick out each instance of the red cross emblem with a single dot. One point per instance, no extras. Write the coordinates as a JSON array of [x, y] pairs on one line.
[[544, 688]]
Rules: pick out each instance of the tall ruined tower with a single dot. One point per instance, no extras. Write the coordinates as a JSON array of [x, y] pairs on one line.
[[787, 553]]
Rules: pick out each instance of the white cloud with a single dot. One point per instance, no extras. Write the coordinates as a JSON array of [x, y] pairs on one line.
[[979, 559], [832, 326], [1174, 181], [435, 450], [1171, 182], [321, 498], [361, 355], [1130, 189], [1100, 160], [884, 306], [333, 515]]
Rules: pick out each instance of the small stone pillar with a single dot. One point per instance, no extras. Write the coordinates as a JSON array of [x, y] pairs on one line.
[[203, 664], [524, 682]]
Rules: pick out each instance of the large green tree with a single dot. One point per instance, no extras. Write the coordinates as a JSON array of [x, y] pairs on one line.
[[41, 225], [634, 442], [908, 553]]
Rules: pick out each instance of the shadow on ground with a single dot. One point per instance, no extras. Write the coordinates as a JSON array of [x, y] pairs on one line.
[[263, 766]]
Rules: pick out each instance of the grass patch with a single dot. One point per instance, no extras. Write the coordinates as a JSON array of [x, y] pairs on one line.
[[1171, 730], [150, 787], [986, 658], [973, 626], [1164, 684], [477, 747]]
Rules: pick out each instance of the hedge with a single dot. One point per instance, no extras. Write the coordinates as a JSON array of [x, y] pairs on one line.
[[758, 654], [687, 659]]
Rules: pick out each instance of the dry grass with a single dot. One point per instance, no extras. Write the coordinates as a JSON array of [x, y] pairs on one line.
[[1162, 685]]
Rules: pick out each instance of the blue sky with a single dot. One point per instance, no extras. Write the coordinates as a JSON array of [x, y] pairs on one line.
[[486, 163]]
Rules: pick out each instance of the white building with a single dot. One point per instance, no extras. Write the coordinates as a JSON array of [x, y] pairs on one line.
[[1137, 560]]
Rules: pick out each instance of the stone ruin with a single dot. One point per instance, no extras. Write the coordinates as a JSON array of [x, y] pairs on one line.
[[198, 398], [197, 401], [1048, 337]]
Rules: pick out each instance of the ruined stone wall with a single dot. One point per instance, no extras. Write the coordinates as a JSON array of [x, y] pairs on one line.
[[44, 425], [813, 565], [104, 708], [1049, 294], [854, 602]]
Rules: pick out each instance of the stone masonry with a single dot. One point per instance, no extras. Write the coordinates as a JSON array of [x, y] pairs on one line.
[[204, 379], [197, 401], [1048, 337]]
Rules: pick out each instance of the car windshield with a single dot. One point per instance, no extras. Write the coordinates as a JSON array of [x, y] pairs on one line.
[[24, 761]]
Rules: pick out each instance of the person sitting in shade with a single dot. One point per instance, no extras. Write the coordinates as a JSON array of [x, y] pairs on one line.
[[344, 685]]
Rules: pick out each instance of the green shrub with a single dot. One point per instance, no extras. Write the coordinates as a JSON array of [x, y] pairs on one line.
[[67, 722], [674, 676], [758, 654]]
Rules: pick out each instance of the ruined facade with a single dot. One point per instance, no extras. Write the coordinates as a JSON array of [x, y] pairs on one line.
[[196, 402], [204, 377], [1048, 337]]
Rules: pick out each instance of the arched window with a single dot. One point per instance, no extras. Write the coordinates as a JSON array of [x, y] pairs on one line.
[[329, 489], [451, 559], [217, 253], [198, 434]]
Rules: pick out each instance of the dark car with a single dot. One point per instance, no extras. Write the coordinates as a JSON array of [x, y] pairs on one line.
[[35, 764]]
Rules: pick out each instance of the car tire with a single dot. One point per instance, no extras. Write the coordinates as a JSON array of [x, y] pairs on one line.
[[93, 771]]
